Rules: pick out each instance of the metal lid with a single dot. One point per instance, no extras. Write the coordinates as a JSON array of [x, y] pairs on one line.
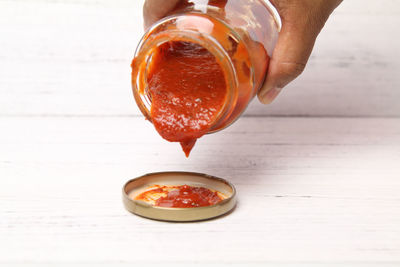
[[138, 185]]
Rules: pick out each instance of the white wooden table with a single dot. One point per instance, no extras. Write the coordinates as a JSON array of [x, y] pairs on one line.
[[317, 172]]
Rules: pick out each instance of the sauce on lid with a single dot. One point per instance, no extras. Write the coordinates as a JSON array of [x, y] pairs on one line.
[[182, 196]]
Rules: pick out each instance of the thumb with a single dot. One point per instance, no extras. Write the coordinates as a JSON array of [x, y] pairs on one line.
[[154, 10]]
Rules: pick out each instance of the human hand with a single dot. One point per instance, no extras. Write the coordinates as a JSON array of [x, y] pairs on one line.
[[302, 20], [154, 10]]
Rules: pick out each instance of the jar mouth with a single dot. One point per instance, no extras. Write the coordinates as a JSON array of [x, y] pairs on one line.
[[149, 45]]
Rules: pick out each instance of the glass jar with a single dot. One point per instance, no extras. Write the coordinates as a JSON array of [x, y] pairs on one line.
[[241, 34]]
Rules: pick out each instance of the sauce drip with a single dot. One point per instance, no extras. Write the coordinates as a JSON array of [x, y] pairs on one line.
[[183, 196], [187, 89]]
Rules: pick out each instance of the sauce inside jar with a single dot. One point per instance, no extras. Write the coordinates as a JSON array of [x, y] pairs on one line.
[[182, 196], [187, 89]]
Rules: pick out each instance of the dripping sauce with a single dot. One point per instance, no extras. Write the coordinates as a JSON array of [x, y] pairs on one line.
[[187, 89]]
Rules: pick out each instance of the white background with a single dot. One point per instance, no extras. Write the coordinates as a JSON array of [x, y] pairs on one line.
[[317, 171]]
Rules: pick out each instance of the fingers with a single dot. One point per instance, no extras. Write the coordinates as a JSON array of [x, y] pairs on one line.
[[300, 28], [154, 10]]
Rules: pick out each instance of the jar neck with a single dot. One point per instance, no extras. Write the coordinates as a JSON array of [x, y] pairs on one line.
[[196, 28]]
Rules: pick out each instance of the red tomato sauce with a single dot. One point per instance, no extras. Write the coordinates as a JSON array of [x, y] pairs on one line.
[[183, 196], [187, 89]]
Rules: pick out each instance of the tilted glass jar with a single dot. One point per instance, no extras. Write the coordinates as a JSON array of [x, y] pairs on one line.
[[241, 34]]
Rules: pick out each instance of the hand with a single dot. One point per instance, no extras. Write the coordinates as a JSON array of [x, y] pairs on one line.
[[154, 10], [302, 20]]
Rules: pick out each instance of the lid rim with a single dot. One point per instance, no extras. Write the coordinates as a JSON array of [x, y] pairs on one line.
[[147, 210]]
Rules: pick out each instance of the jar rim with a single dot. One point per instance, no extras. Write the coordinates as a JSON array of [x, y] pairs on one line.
[[150, 42]]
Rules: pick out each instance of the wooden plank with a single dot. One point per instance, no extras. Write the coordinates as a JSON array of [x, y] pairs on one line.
[[311, 191], [72, 57]]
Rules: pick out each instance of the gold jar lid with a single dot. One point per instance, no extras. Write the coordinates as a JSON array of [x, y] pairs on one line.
[[138, 185]]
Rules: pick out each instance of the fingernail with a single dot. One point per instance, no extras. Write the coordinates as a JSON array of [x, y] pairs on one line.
[[270, 95]]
